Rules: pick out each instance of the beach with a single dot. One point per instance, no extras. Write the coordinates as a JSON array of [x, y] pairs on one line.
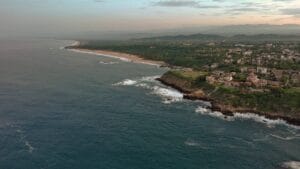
[[117, 55]]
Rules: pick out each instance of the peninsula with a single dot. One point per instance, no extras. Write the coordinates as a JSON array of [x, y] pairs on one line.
[[246, 74]]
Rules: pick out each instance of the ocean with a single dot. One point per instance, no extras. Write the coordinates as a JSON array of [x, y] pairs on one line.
[[65, 110]]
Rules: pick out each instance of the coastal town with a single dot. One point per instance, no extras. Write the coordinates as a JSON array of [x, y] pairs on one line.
[[259, 67], [250, 75]]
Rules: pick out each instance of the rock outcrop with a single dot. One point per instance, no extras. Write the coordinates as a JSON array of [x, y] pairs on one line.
[[190, 92]]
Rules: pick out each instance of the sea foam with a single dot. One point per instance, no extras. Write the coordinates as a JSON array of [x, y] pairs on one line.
[[29, 146], [207, 111], [170, 95], [126, 82], [244, 116], [285, 138], [291, 165], [107, 63], [167, 94]]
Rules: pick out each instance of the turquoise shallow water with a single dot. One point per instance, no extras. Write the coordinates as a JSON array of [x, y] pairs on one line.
[[65, 110]]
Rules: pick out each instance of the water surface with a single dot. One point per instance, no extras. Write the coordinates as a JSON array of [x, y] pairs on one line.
[[66, 110]]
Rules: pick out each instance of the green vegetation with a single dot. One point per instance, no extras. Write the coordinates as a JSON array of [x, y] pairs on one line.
[[196, 57], [182, 54], [189, 75], [274, 101]]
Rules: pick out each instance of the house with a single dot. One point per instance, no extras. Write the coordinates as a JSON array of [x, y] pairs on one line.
[[236, 50], [232, 84], [274, 84], [210, 79], [248, 53], [244, 69], [262, 70], [240, 61], [251, 70], [269, 45], [259, 61], [218, 73], [253, 79], [278, 74], [262, 83], [228, 61], [215, 65], [228, 77], [211, 44], [295, 78]]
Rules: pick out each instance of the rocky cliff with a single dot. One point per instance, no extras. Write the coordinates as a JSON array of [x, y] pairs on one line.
[[219, 103]]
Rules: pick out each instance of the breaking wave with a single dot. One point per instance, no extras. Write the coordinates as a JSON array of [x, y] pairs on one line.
[[29, 146], [244, 116], [285, 138], [291, 165], [99, 54], [190, 142], [126, 82], [108, 63], [168, 95], [207, 111], [263, 119], [22, 136]]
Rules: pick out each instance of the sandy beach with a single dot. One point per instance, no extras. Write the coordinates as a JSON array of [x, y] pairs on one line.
[[118, 55]]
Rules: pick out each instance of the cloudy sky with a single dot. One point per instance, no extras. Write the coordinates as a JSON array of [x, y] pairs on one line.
[[28, 16]]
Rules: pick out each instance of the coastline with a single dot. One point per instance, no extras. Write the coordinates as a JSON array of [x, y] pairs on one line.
[[187, 93], [226, 110], [75, 47]]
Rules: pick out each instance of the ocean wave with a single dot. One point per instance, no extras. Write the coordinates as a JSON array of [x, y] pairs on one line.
[[100, 54], [73, 43], [167, 94], [207, 111], [126, 82], [291, 165], [22, 136], [29, 146], [193, 143], [243, 116], [262, 119], [285, 138], [107, 63], [170, 95], [190, 142]]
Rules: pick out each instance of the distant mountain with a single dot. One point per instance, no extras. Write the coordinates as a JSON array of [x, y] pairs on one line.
[[214, 37], [265, 37], [204, 37], [204, 31], [253, 29]]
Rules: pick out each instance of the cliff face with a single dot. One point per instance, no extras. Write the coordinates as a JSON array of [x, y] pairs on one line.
[[184, 85], [181, 84], [219, 103]]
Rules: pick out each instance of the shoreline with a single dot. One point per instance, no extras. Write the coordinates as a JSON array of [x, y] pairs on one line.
[[225, 110], [75, 47]]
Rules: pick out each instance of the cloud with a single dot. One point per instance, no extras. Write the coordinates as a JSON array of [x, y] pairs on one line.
[[246, 9], [182, 3], [291, 11], [282, 0]]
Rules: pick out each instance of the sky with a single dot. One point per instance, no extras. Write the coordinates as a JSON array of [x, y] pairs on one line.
[[58, 16]]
